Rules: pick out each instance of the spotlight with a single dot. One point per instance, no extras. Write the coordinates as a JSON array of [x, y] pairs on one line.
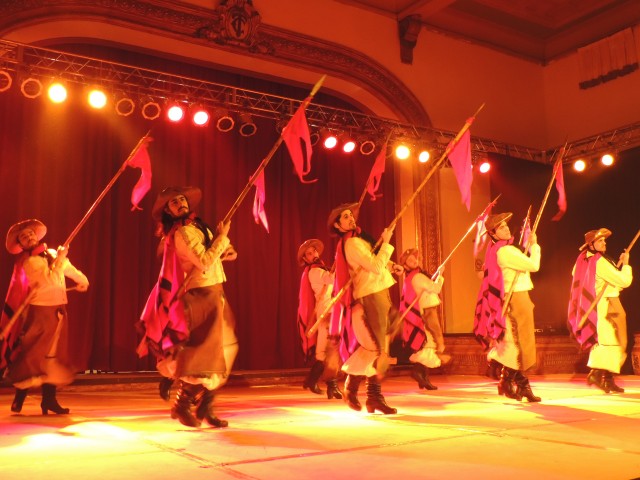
[[175, 112], [579, 165], [225, 121], [424, 156], [402, 152], [5, 81], [57, 92], [97, 98], [348, 146], [330, 141], [150, 110], [367, 147], [607, 159], [31, 87], [247, 127], [484, 167], [125, 106], [200, 117]]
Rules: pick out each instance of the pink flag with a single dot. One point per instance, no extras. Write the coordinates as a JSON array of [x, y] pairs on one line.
[[141, 160], [481, 233], [373, 182], [297, 131], [562, 198], [258, 202], [460, 158], [526, 232]]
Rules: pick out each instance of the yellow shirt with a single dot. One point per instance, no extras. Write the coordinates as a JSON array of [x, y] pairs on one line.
[[512, 261]]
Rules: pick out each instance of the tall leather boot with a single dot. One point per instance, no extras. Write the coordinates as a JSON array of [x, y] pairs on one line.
[[610, 383], [597, 377], [311, 382], [49, 401], [506, 385], [164, 388], [524, 388], [205, 410], [333, 391], [18, 399], [351, 385], [494, 369], [375, 400], [420, 374], [185, 397]]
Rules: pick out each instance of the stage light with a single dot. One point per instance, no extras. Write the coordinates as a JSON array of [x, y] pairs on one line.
[[5, 81], [367, 147], [57, 92], [225, 121], [175, 112], [97, 98], [150, 110], [424, 156], [484, 167], [330, 141], [247, 126], [402, 152], [31, 87], [348, 146], [579, 165], [607, 159], [125, 106], [200, 117]]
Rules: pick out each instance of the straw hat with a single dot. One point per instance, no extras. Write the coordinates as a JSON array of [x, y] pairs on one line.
[[311, 243], [12, 235], [336, 212], [406, 253], [594, 235], [192, 194], [494, 220]]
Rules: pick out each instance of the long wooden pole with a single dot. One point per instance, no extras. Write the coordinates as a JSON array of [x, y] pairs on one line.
[[433, 169], [267, 159]]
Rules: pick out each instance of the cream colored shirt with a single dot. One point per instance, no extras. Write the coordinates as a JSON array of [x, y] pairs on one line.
[[202, 266], [615, 279], [322, 284], [512, 260], [427, 290], [51, 287], [369, 271]]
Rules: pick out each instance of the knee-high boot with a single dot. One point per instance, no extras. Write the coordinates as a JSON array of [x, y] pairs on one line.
[[49, 401], [524, 388], [610, 383], [205, 410], [333, 391], [311, 382], [185, 398], [597, 377], [164, 388], [375, 400], [494, 369], [18, 399], [506, 385], [351, 385], [420, 374]]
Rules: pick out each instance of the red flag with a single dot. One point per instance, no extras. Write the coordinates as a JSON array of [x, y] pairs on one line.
[[258, 202], [562, 198], [373, 182], [481, 232], [297, 131], [460, 158], [142, 161]]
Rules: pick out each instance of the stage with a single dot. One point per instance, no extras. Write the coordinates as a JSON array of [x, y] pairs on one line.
[[121, 429]]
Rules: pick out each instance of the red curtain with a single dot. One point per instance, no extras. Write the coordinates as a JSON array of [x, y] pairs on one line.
[[56, 159]]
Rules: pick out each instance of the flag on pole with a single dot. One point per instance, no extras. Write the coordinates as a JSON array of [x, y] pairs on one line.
[[481, 233], [562, 198], [460, 157], [526, 232], [259, 213], [373, 182], [141, 160], [295, 133]]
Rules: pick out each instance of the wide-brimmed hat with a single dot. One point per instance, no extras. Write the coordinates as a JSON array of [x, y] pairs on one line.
[[406, 253], [12, 235], [336, 212], [494, 220], [594, 235], [311, 243], [192, 194]]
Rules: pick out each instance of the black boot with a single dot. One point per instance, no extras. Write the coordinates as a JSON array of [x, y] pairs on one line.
[[332, 389], [351, 385], [164, 388], [611, 384], [311, 382], [18, 400], [524, 388], [420, 374], [205, 410], [185, 397], [506, 385], [597, 377], [49, 401], [494, 369], [375, 400]]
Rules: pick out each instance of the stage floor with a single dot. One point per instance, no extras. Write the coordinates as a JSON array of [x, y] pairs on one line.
[[464, 430]]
